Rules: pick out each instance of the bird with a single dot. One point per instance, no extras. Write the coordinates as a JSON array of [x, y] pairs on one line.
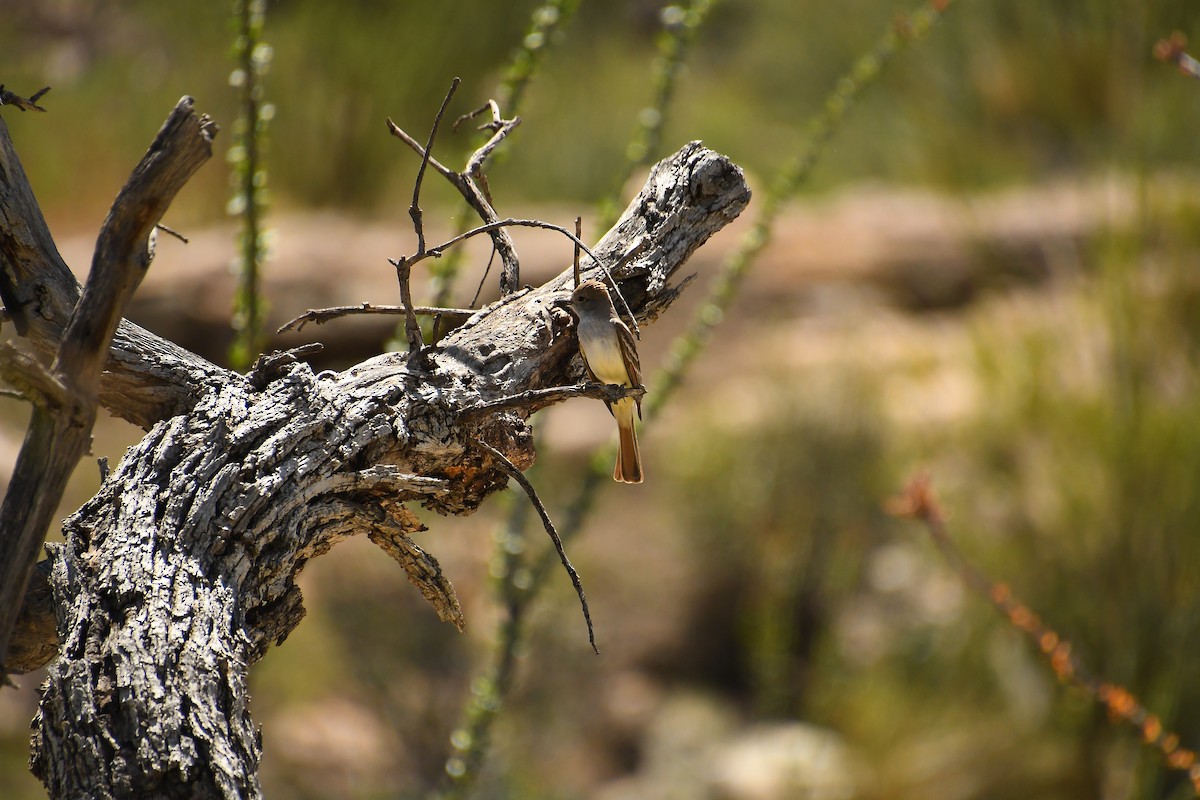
[[610, 356]]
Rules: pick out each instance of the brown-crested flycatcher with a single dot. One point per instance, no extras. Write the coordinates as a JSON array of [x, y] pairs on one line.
[[610, 356]]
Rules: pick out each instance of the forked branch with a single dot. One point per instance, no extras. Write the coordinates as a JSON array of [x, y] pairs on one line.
[[60, 429]]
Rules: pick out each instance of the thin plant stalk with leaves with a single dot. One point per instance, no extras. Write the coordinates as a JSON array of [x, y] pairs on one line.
[[249, 178]]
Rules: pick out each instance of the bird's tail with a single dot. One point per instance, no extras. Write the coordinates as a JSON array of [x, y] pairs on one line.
[[628, 468]]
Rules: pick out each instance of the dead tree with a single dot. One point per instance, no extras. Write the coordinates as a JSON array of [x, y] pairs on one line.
[[180, 572]]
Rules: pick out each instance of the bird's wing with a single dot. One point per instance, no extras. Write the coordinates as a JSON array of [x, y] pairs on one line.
[[629, 353]]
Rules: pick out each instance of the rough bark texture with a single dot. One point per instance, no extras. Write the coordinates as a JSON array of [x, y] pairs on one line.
[[180, 572], [65, 409], [146, 378]]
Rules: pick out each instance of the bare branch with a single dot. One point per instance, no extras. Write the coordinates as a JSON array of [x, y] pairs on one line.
[[412, 330], [146, 378], [483, 279], [472, 185], [575, 258], [8, 98], [519, 477], [414, 210], [536, 399], [59, 434], [550, 226], [494, 124], [319, 316]]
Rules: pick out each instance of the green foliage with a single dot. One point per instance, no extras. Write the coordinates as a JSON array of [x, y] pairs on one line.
[[1093, 430], [1010, 92], [783, 511]]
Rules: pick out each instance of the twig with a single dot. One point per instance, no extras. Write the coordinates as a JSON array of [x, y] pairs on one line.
[[172, 232], [404, 264], [475, 162], [8, 98], [468, 183], [496, 122], [438, 166], [511, 222], [547, 22], [500, 129], [414, 210], [319, 316], [535, 399], [486, 271], [918, 502], [516, 475], [411, 330], [575, 259]]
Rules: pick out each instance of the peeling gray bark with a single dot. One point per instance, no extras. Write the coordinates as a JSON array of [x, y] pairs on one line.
[[181, 571]]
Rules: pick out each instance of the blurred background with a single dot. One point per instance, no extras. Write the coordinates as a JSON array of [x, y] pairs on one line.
[[990, 276]]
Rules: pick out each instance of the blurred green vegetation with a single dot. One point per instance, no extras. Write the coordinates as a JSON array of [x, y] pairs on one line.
[[779, 589], [1007, 92]]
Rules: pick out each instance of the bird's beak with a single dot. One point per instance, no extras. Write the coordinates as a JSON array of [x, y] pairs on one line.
[[562, 302]]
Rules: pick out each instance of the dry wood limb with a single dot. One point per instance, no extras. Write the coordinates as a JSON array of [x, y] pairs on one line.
[[537, 399], [510, 222], [8, 98], [146, 378], [60, 431], [181, 571], [468, 184], [532, 494], [319, 316]]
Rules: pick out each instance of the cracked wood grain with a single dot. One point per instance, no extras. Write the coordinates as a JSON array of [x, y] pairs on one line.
[[61, 425], [181, 571]]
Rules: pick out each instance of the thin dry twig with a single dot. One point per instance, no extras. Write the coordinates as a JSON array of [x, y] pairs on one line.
[[918, 502], [319, 316], [516, 475], [472, 185], [496, 122], [535, 399], [8, 98], [486, 271], [575, 259], [414, 210], [511, 222], [475, 163], [438, 166], [404, 264], [172, 232]]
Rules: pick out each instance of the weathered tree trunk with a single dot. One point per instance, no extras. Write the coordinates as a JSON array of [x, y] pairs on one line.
[[181, 571]]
